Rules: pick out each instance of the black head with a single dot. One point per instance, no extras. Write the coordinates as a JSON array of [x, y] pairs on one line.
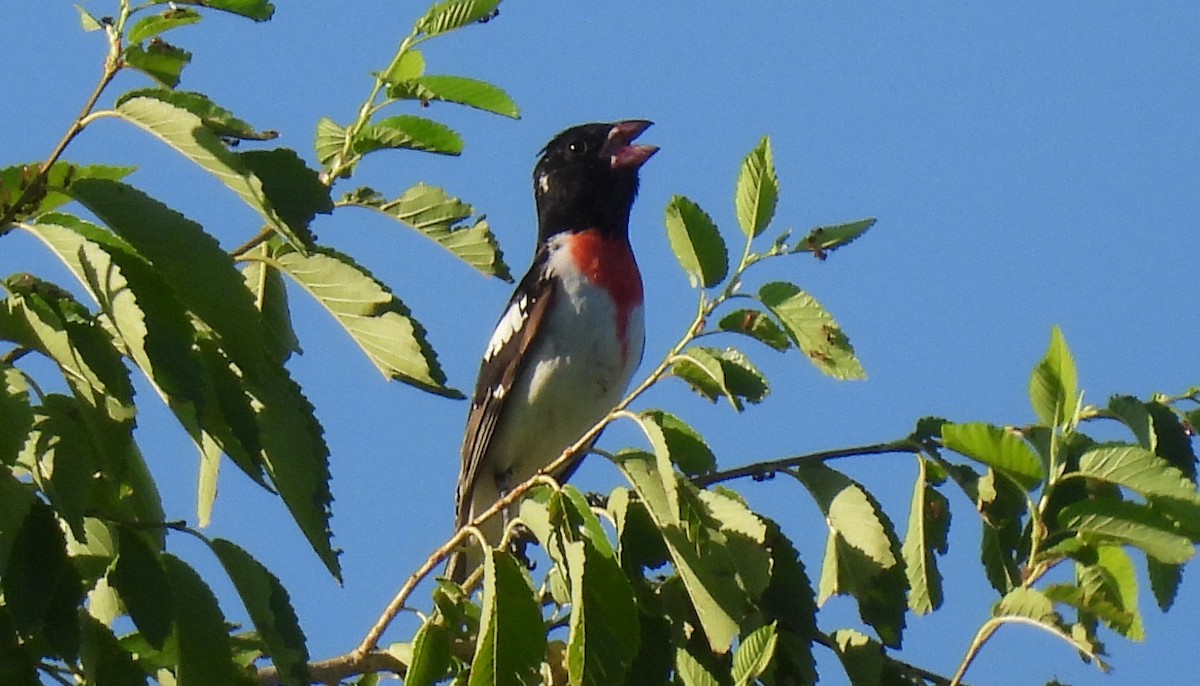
[[587, 178]]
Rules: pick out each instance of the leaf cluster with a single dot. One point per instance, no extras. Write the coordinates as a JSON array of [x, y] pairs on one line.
[[83, 535]]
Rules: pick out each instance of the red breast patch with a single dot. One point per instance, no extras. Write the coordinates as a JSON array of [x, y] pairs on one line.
[[609, 263]]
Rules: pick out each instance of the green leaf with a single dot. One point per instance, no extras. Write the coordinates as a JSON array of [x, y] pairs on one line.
[[294, 190], [200, 273], [258, 10], [788, 601], [699, 554], [1028, 603], [861, 656], [270, 610], [756, 325], [1174, 440], [512, 639], [63, 458], [1128, 523], [329, 141], [1142, 471], [155, 24], [456, 89], [408, 132], [863, 556], [812, 329], [140, 579], [409, 65], [1112, 583], [928, 526], [684, 445], [995, 447], [715, 372], [377, 321], [86, 21], [1164, 581], [1133, 413], [431, 655], [42, 590], [215, 118], [697, 243], [16, 498], [16, 417], [158, 335], [825, 239], [159, 60], [600, 646], [205, 654], [16, 180], [1052, 385], [297, 460], [187, 134], [757, 190], [45, 318], [691, 671], [754, 655], [267, 286], [105, 660], [449, 15], [437, 216]]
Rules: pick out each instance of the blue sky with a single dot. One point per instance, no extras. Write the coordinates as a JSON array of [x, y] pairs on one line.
[[1030, 164]]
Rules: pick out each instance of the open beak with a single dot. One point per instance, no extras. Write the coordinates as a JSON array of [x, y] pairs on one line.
[[619, 147]]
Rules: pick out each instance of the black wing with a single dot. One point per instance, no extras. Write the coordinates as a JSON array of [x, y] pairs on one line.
[[502, 363]]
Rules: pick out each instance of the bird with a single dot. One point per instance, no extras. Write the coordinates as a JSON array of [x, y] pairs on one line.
[[571, 335]]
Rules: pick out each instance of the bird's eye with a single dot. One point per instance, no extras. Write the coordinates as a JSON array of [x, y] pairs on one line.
[[577, 147]]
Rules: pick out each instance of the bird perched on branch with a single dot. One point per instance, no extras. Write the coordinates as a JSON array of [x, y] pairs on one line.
[[572, 333]]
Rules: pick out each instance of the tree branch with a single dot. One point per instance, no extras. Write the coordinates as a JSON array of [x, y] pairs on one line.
[[765, 470]]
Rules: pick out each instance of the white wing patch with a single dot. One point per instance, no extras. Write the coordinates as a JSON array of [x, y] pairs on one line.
[[513, 320]]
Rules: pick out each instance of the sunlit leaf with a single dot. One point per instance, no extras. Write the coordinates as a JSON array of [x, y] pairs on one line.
[[409, 65], [512, 639], [456, 89], [159, 60], [449, 15], [928, 525], [995, 447], [215, 118], [1142, 471], [600, 646], [15, 180], [258, 10], [186, 133], [754, 655], [683, 443], [267, 286], [692, 672], [1052, 385], [155, 24], [812, 329], [87, 22], [200, 273], [715, 373], [376, 319], [408, 132], [863, 554], [696, 242], [438, 216], [431, 655], [1129, 523], [757, 190], [330, 140], [861, 657], [756, 325]]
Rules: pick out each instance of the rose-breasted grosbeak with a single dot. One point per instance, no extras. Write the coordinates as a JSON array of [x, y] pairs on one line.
[[572, 333]]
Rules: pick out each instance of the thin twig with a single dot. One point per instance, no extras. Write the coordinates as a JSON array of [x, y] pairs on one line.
[[761, 470]]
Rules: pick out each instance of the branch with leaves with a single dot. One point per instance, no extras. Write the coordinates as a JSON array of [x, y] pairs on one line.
[[670, 577]]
